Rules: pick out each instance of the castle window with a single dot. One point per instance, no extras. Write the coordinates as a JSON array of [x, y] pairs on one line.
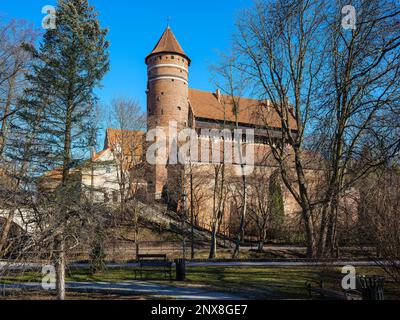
[[172, 80], [172, 57], [179, 108]]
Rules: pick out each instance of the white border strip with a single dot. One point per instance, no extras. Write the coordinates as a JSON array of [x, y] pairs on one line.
[[167, 78], [168, 65]]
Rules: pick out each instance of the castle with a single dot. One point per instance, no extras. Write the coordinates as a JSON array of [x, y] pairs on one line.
[[171, 100]]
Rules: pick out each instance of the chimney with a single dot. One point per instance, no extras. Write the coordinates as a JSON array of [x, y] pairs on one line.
[[218, 94]]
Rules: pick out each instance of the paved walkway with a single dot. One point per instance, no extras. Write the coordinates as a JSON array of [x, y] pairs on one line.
[[282, 264], [134, 288], [249, 264], [36, 266]]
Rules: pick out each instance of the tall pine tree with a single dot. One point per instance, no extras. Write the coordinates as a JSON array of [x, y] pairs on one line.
[[71, 61]]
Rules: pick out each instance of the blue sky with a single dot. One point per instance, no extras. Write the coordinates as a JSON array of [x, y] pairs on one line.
[[202, 27]]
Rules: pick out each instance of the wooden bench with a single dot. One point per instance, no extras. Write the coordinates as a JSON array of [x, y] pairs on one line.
[[336, 293], [154, 262]]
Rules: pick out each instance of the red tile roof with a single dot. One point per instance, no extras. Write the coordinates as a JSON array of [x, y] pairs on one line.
[[254, 112], [130, 140], [98, 155], [168, 44]]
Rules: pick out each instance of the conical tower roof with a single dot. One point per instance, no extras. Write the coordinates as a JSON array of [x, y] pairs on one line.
[[168, 44]]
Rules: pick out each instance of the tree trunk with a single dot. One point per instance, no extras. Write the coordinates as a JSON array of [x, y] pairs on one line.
[[310, 238], [261, 240], [332, 244], [6, 231], [218, 210], [60, 268], [236, 252], [213, 247], [323, 231], [60, 242], [191, 216]]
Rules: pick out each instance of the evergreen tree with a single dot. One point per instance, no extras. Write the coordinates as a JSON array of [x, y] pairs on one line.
[[72, 60], [60, 103]]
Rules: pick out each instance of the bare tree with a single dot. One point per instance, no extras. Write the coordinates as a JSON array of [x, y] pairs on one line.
[[265, 204], [231, 82], [361, 88], [219, 200], [294, 51], [126, 143], [14, 61], [280, 52], [379, 216]]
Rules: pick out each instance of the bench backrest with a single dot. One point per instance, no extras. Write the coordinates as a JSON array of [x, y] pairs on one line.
[[153, 260], [149, 257]]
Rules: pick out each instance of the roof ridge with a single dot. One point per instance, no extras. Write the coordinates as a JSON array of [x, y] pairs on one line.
[[136, 131], [226, 95]]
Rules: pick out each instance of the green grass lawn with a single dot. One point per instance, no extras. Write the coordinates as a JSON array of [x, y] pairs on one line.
[[274, 283], [249, 282]]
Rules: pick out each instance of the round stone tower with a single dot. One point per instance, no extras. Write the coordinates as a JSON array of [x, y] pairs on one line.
[[167, 97]]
